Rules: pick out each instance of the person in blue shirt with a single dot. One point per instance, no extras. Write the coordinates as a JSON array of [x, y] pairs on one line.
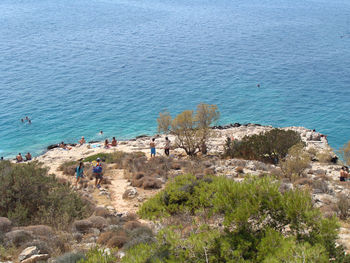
[[97, 173], [79, 173]]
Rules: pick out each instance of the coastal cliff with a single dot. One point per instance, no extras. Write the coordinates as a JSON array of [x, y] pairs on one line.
[[131, 178]]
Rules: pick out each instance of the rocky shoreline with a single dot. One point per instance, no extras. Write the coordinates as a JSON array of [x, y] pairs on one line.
[[120, 197]]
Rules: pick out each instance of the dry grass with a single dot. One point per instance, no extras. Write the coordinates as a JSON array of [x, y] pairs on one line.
[[130, 225], [325, 156], [343, 205]]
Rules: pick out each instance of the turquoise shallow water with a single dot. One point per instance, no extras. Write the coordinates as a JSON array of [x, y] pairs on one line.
[[77, 67]]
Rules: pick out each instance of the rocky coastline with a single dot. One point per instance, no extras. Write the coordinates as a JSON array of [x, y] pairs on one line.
[[120, 197]]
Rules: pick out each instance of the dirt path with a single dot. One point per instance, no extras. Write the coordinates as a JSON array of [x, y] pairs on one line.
[[118, 187]]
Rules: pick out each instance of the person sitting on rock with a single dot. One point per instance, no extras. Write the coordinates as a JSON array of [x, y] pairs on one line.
[[82, 140], [344, 173], [28, 157], [114, 142], [107, 144], [19, 158], [64, 146], [79, 173]]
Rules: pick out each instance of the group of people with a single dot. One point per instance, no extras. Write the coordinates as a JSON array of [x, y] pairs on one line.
[[107, 144], [97, 165], [19, 158], [344, 174], [167, 145], [26, 119], [96, 171], [112, 144]]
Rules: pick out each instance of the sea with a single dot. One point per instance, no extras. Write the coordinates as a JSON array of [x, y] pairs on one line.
[[78, 67]]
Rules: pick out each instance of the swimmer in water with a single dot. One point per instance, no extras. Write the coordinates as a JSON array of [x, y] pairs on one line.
[[22, 120], [101, 132], [29, 121], [258, 85]]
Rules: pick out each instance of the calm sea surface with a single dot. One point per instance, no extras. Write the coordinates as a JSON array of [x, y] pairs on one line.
[[77, 67]]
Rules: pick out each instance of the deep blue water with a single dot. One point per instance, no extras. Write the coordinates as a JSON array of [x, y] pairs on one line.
[[77, 67]]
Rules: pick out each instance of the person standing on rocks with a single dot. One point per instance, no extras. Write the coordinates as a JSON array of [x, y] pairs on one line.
[[79, 173], [153, 147], [167, 146], [97, 172]]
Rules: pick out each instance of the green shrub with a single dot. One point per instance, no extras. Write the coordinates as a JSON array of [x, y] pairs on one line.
[[296, 162], [260, 224], [140, 235], [68, 168], [269, 147], [97, 255], [29, 196], [184, 193], [69, 258]]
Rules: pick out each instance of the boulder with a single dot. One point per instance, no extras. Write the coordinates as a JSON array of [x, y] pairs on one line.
[[130, 193], [5, 225], [53, 146], [36, 258], [316, 136], [28, 252], [82, 226]]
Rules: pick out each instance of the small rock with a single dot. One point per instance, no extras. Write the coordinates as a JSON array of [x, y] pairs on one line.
[[36, 258], [130, 193], [140, 198], [111, 208], [28, 252], [121, 254]]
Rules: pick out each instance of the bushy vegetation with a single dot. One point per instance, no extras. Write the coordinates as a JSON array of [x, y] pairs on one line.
[[69, 258], [29, 196], [345, 153], [97, 255], [271, 146], [115, 157], [295, 162], [192, 129], [325, 156], [254, 221]]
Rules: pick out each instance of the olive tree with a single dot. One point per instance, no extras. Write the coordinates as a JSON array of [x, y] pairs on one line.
[[192, 129]]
